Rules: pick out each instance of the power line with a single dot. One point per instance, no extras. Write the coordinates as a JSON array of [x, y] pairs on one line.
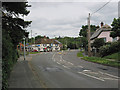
[[101, 7]]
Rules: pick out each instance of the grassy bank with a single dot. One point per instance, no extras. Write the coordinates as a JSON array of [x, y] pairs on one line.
[[113, 56], [104, 61]]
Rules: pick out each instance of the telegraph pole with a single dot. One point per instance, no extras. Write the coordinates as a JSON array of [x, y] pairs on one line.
[[31, 40], [88, 37]]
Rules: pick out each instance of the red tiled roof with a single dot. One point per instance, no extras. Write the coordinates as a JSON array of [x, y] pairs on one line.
[[46, 41]]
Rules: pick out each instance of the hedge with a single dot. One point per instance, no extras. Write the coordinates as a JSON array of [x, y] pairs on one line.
[[9, 57], [109, 49]]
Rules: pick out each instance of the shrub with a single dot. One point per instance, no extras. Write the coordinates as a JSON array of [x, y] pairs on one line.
[[109, 49]]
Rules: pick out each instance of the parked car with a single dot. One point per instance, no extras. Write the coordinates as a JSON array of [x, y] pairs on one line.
[[34, 51]]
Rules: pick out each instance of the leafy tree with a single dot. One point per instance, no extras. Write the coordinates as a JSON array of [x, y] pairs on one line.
[[83, 31], [115, 28], [98, 42]]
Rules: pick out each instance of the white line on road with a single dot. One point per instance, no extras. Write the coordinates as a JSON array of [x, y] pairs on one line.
[[110, 78], [91, 76], [109, 75], [80, 66], [58, 63], [65, 66], [70, 63]]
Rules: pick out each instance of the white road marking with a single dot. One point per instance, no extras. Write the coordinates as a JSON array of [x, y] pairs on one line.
[[109, 75], [92, 76], [110, 78], [65, 66], [58, 63], [86, 70], [53, 56], [70, 63], [80, 66]]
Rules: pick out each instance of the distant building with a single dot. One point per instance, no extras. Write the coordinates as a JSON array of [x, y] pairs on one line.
[[45, 44], [103, 32]]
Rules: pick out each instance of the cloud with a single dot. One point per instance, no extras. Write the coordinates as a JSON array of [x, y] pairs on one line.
[[66, 18]]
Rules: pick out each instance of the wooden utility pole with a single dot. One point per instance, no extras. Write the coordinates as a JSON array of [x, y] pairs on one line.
[[88, 37], [31, 40]]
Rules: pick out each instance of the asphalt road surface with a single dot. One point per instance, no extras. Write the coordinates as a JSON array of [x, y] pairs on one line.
[[66, 70]]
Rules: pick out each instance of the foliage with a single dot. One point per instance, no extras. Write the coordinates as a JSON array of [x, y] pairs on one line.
[[109, 49], [13, 31], [70, 42], [113, 56], [83, 31], [98, 42], [115, 28], [9, 57], [102, 61]]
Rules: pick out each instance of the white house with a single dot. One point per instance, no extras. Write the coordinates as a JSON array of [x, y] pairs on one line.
[[45, 44]]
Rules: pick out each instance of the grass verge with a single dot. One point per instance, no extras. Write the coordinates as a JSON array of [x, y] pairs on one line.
[[79, 54], [100, 60], [112, 56]]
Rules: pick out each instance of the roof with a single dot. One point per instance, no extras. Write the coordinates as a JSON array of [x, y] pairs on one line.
[[99, 30], [47, 41]]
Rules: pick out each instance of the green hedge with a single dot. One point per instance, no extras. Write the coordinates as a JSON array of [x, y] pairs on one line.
[[9, 57], [109, 49]]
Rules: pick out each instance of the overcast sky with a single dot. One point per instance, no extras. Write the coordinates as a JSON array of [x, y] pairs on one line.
[[66, 18]]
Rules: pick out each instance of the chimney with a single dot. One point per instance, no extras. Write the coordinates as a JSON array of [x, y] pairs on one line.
[[102, 24]]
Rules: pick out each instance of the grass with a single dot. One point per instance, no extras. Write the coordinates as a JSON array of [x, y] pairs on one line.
[[112, 56], [100, 60], [80, 54]]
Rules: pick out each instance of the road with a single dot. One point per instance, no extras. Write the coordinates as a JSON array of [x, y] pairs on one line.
[[66, 70]]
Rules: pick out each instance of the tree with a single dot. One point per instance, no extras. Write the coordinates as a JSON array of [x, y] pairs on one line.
[[98, 42], [115, 28], [83, 31], [13, 31]]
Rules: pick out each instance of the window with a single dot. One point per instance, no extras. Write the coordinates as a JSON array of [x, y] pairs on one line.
[[104, 39], [115, 39], [56, 44], [44, 44]]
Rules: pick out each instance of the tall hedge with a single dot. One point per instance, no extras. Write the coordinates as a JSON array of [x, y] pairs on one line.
[[9, 55]]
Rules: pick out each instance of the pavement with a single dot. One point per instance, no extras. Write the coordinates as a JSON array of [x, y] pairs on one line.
[[22, 76]]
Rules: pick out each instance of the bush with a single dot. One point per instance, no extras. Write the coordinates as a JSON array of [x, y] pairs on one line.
[[109, 49], [9, 57]]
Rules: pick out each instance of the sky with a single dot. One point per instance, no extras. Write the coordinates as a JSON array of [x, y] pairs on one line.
[[65, 17]]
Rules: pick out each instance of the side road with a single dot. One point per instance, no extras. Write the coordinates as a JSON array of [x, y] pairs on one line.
[[22, 76]]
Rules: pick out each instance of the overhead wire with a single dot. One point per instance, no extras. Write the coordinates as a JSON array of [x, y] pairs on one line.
[[101, 7]]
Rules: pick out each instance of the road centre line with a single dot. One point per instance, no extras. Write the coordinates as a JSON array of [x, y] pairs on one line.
[[92, 76], [109, 75]]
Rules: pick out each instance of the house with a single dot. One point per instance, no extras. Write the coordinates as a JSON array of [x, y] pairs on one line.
[[103, 32], [45, 44]]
